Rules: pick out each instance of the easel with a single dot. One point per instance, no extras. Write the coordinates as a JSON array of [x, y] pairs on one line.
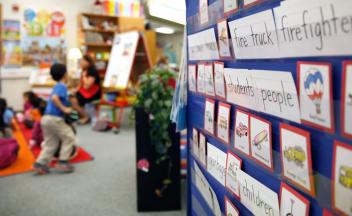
[[141, 62]]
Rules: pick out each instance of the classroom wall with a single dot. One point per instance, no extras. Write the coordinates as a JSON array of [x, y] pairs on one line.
[[16, 81]]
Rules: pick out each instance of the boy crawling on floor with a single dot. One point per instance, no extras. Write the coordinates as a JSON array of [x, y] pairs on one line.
[[54, 126]]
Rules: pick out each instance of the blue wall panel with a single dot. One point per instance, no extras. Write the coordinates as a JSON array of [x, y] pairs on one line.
[[322, 143]]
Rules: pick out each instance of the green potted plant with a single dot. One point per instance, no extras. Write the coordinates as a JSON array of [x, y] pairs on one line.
[[158, 181]]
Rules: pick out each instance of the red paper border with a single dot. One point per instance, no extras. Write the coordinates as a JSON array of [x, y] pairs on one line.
[[228, 13], [233, 206], [213, 102], [343, 94], [327, 212], [296, 194], [203, 24], [238, 158], [206, 149], [228, 106], [252, 4], [227, 29], [348, 147], [271, 169], [332, 119], [196, 71], [249, 133], [223, 67], [212, 71], [200, 93], [309, 153]]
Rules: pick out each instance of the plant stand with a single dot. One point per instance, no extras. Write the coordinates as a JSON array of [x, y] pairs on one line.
[[150, 176]]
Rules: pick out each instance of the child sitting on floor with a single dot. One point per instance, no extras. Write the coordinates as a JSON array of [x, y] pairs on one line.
[[6, 117], [54, 126]]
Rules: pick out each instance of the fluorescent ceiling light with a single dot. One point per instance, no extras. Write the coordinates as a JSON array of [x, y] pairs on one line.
[[165, 30], [171, 10]]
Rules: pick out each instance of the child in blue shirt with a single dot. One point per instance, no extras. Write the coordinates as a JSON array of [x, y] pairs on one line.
[[54, 126], [6, 117]]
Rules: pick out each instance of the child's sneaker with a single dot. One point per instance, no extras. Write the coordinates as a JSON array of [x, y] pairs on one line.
[[64, 166], [41, 169]]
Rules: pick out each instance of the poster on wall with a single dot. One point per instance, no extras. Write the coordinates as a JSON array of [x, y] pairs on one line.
[[292, 203], [11, 47], [233, 165], [219, 80], [209, 113], [346, 104], [261, 144], [224, 42], [223, 125], [43, 42], [296, 157], [242, 130], [121, 60], [341, 178], [315, 91]]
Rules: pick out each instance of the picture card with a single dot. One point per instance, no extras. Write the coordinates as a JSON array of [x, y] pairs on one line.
[[201, 78], [315, 91], [342, 178], [223, 38], [206, 190], [346, 114], [192, 78], [223, 125], [209, 116], [292, 203], [209, 80], [202, 150], [203, 46], [261, 141], [242, 130], [230, 6], [203, 12], [253, 192], [296, 157], [195, 142], [230, 209], [219, 80], [233, 165], [216, 165]]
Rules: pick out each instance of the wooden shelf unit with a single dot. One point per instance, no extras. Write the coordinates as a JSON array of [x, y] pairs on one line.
[[122, 24]]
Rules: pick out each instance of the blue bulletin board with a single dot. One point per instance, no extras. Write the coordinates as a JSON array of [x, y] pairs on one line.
[[322, 143]]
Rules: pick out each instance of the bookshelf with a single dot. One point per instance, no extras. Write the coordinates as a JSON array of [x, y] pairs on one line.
[[96, 33]]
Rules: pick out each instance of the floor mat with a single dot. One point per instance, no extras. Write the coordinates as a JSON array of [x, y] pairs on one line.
[[82, 155], [25, 156]]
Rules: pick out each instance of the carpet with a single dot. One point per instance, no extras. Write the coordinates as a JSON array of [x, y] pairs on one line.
[[25, 156], [82, 155]]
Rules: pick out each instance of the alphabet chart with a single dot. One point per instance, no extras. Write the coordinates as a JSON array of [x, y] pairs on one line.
[[272, 97]]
